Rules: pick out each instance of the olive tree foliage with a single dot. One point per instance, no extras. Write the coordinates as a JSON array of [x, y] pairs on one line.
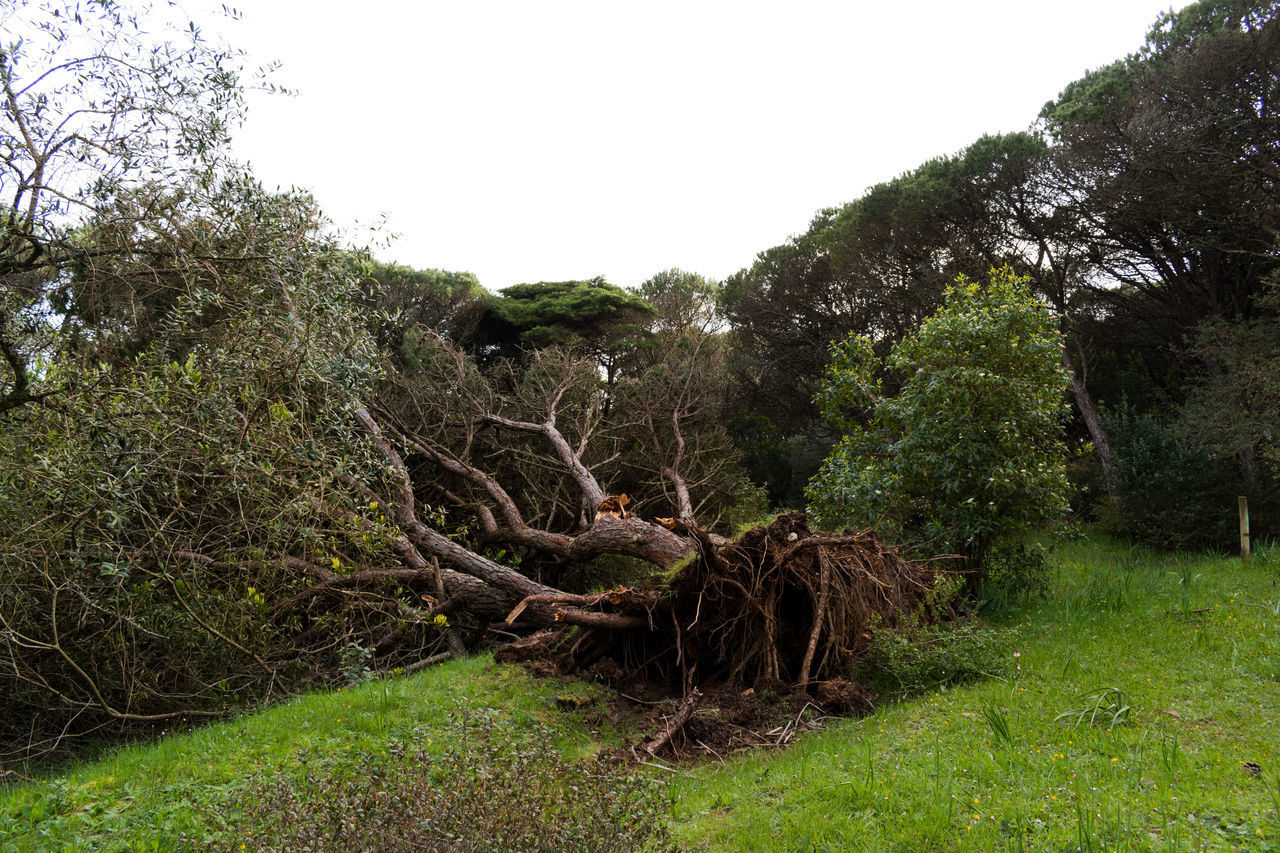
[[970, 449], [96, 99], [183, 365], [159, 512]]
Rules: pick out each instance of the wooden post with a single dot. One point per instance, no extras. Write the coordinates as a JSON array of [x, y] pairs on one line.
[[1244, 529]]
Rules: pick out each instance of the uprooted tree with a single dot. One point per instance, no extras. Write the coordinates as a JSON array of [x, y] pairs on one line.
[[260, 497], [232, 468]]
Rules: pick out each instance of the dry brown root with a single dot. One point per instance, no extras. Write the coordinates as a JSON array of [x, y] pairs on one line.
[[781, 609]]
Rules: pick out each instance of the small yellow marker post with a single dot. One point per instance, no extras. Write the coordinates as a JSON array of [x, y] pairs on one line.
[[1244, 529]]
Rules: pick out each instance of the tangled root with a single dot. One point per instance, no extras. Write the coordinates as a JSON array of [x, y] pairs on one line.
[[781, 606]]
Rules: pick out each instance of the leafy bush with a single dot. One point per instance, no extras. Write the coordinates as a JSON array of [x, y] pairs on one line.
[[1166, 492], [1015, 573], [907, 662], [969, 451], [1106, 706], [483, 786]]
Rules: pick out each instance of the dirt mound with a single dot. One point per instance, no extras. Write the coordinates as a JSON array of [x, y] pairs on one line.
[[724, 720]]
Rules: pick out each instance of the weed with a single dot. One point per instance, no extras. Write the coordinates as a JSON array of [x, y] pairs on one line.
[[1271, 781], [1172, 830], [1068, 664], [1271, 607], [486, 786], [355, 663], [998, 723], [1108, 706], [1186, 578], [383, 704], [931, 657], [1169, 752], [1084, 823]]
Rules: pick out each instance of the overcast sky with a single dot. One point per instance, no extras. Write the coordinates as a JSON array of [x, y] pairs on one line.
[[533, 141]]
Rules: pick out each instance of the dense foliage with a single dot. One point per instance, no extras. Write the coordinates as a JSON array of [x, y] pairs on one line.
[[146, 510], [240, 458], [969, 450], [1143, 207]]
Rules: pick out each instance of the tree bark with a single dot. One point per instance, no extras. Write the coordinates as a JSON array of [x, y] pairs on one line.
[[490, 587], [1092, 422]]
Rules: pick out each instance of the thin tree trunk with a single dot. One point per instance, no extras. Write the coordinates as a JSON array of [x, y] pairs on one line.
[[1092, 422]]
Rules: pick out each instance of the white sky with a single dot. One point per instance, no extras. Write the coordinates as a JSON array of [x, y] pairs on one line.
[[529, 141]]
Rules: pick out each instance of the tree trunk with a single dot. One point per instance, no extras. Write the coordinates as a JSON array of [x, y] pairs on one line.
[[1084, 403]]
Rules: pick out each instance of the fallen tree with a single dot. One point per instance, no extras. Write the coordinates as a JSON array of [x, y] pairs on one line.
[[227, 477]]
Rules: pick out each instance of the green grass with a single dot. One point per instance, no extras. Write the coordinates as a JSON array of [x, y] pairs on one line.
[[148, 796], [1125, 717], [1190, 646]]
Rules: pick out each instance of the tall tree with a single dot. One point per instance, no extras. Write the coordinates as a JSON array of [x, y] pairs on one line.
[[599, 317], [1169, 161], [876, 267]]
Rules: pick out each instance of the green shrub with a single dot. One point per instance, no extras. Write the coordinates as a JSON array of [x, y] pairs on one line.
[[476, 785], [969, 450], [907, 662], [1166, 492], [1015, 573]]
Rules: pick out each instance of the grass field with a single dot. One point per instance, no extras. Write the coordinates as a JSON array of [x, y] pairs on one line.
[[1138, 708], [1189, 646]]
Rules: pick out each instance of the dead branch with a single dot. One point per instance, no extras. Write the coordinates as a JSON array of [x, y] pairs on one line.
[[819, 615], [677, 720]]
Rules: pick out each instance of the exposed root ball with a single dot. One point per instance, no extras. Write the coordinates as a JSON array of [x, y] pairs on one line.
[[781, 606]]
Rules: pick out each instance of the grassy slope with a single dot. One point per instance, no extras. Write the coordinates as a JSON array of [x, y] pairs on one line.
[[145, 796], [1198, 638], [1194, 644]]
